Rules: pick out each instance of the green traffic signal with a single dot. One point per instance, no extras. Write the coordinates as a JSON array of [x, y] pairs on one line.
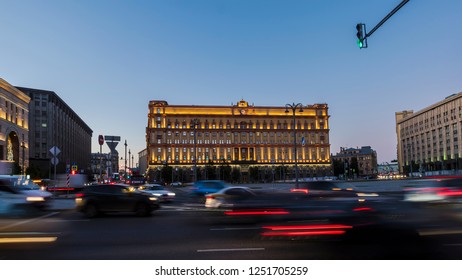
[[361, 34]]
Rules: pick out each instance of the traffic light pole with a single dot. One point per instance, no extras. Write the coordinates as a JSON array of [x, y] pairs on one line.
[[404, 2], [361, 27]]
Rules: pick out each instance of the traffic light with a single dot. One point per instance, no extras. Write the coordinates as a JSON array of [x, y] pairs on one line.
[[361, 34]]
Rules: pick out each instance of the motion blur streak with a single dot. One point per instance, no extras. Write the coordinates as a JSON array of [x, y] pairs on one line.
[[363, 209], [308, 227], [306, 230], [258, 212], [303, 233], [28, 239]]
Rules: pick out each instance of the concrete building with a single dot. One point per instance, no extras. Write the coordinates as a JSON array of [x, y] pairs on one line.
[[360, 162], [143, 161], [54, 123], [428, 140], [14, 129], [241, 135]]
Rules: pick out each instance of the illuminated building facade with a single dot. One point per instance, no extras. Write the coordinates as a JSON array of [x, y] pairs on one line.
[[241, 136], [428, 140], [14, 129]]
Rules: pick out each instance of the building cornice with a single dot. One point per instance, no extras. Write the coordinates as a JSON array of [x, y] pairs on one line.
[[9, 88]]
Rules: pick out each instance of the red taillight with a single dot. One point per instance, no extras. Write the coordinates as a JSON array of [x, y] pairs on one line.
[[300, 190], [79, 195], [359, 209], [306, 230], [210, 196]]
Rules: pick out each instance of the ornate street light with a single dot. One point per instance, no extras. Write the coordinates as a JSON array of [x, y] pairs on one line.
[[125, 165], [194, 123], [294, 108], [23, 146]]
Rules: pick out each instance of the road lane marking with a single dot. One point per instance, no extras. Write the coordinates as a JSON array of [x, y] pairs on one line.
[[41, 239], [229, 250], [29, 221], [441, 231]]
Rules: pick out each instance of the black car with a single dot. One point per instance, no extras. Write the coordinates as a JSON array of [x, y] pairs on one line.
[[108, 198]]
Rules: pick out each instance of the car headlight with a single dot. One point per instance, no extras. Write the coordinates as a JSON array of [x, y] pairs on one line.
[[152, 198], [35, 199], [171, 194]]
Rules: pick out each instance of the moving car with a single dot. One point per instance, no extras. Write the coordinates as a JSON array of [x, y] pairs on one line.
[[229, 196], [107, 198], [158, 191], [324, 189], [201, 188], [434, 189], [15, 202]]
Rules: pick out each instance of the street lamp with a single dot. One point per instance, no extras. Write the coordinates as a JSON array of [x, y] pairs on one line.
[[294, 108], [125, 165], [23, 146], [194, 123], [129, 162]]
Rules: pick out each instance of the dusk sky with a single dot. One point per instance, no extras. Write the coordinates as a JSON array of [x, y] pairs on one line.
[[108, 58]]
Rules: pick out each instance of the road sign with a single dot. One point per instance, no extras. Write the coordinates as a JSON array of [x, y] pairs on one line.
[[101, 140], [54, 161], [55, 151], [111, 138]]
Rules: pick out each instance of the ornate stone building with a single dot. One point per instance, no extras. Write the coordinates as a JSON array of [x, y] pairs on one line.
[[14, 129], [242, 136]]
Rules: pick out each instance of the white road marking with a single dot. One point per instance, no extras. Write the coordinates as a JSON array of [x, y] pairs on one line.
[[28, 221], [230, 250]]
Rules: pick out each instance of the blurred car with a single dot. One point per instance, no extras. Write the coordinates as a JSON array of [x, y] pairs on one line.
[[434, 189], [35, 195], [201, 188], [107, 198], [228, 197], [176, 184], [324, 189], [14, 202], [158, 191]]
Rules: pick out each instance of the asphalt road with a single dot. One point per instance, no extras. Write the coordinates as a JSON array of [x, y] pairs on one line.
[[184, 230]]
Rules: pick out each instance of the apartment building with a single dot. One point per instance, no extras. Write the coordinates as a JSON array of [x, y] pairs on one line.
[[428, 140]]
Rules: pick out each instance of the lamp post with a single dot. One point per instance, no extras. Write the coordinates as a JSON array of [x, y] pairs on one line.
[[129, 162], [294, 108], [23, 146], [125, 158], [194, 123]]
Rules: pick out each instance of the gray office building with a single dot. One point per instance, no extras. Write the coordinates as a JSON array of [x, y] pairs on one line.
[[53, 123]]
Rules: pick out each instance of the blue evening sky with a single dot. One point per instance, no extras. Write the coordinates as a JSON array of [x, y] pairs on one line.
[[108, 58]]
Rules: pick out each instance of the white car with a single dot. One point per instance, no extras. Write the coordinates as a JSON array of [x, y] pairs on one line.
[[228, 197], [35, 195], [17, 202], [159, 191]]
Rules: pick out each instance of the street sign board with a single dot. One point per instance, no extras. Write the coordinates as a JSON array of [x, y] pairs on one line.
[[54, 160], [111, 138], [55, 151]]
